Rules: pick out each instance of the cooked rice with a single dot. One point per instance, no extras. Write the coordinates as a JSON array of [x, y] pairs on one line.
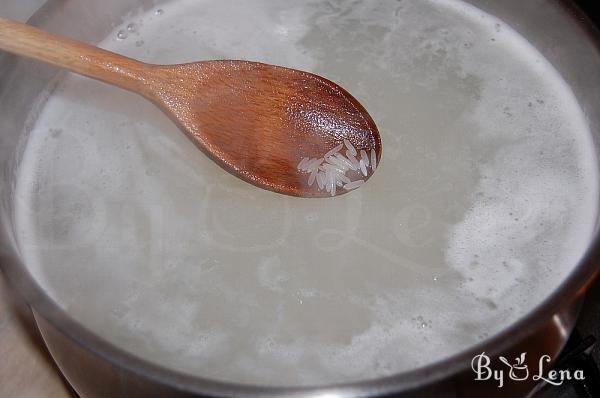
[[344, 160], [313, 176], [343, 178], [332, 167], [353, 185], [363, 168], [329, 172], [373, 160], [350, 147], [321, 180], [364, 157], [352, 160], [303, 163], [333, 151]]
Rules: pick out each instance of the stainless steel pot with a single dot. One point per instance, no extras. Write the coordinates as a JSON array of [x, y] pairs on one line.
[[95, 368]]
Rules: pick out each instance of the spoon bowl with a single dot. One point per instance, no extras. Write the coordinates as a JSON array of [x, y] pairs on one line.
[[257, 121]]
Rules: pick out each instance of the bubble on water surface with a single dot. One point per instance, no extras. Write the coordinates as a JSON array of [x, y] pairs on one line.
[[132, 27]]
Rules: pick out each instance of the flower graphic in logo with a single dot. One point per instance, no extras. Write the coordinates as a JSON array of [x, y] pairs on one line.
[[519, 370]]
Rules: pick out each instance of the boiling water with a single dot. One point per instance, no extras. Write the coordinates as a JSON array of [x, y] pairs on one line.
[[483, 202]]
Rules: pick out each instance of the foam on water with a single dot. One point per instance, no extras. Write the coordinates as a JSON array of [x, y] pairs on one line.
[[484, 199]]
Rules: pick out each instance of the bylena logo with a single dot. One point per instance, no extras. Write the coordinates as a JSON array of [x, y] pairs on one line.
[[519, 371]]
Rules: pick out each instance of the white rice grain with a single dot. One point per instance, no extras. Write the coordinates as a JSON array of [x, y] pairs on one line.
[[350, 147], [373, 159], [330, 181], [307, 164], [333, 151], [321, 180], [352, 160], [314, 164], [363, 168], [336, 161], [313, 176], [364, 157], [353, 185], [345, 161], [303, 163], [332, 167], [343, 178]]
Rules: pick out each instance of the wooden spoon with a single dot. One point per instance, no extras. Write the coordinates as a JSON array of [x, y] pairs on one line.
[[257, 121]]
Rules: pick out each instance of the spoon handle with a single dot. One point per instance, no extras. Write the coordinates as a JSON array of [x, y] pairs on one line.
[[81, 58]]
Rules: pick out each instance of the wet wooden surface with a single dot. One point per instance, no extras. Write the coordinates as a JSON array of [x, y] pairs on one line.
[[26, 368]]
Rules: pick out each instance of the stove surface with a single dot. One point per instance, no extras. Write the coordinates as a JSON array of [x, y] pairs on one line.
[[582, 352]]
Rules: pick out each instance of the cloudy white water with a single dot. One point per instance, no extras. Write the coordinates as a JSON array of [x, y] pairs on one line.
[[483, 202]]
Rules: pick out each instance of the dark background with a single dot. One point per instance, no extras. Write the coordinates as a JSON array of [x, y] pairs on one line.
[[591, 8]]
